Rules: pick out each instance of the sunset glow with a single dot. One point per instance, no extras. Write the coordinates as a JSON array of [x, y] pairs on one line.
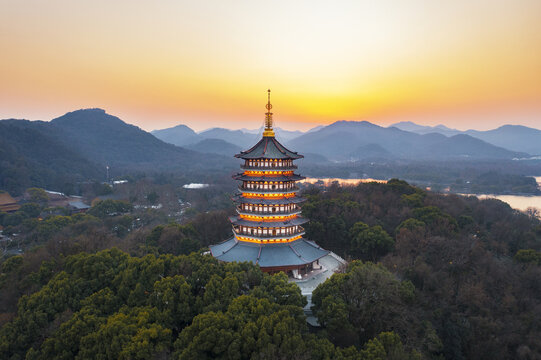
[[467, 64]]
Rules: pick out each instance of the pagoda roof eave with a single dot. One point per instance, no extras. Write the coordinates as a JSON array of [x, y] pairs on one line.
[[238, 198], [296, 253], [268, 148]]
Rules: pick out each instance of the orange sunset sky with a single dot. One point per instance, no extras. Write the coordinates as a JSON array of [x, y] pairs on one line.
[[155, 64]]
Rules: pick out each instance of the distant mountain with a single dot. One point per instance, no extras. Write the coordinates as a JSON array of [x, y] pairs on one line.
[[463, 145], [180, 135], [342, 138], [107, 140], [370, 152], [347, 140], [216, 146], [421, 129], [78, 145], [513, 137], [286, 135], [281, 134], [252, 131], [32, 155], [237, 137], [246, 138], [319, 127], [311, 158]]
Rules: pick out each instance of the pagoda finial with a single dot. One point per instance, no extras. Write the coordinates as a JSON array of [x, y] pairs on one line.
[[269, 132]]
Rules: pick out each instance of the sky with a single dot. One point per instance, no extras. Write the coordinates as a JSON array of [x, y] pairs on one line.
[[462, 63]]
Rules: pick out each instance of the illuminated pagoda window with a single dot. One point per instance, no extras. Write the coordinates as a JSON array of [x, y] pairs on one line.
[[267, 229]]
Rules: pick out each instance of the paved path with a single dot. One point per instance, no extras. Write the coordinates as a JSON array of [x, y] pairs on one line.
[[331, 263]]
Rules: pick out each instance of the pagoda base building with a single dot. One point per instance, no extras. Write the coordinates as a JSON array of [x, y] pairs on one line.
[[267, 229]]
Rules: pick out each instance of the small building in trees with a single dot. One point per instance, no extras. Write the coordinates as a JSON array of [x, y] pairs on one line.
[[267, 229], [7, 203]]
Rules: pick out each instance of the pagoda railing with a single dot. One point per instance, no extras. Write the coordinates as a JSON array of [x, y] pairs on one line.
[[254, 235], [268, 168], [293, 211], [269, 191]]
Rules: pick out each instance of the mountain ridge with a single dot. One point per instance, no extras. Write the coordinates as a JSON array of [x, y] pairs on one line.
[[76, 146], [517, 138], [344, 137]]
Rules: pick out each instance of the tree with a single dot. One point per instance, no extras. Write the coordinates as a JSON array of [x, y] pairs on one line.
[[387, 346], [31, 210], [365, 301], [279, 290], [369, 242], [529, 256], [153, 197], [105, 208], [38, 196]]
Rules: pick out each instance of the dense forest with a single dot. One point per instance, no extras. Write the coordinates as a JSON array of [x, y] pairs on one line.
[[429, 277], [470, 267]]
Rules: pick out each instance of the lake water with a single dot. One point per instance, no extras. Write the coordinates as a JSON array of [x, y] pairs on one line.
[[519, 202], [516, 201]]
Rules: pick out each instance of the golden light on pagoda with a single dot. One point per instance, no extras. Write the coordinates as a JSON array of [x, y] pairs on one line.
[[268, 214]]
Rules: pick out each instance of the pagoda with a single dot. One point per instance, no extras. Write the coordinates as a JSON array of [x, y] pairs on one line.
[[267, 229]]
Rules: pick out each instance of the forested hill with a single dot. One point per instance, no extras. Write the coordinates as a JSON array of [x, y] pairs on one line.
[[32, 156], [473, 267], [108, 140], [430, 277], [79, 145]]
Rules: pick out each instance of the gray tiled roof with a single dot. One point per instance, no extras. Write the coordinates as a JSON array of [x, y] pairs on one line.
[[298, 252], [79, 205], [268, 148]]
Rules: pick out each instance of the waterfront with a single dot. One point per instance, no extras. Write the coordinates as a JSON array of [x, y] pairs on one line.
[[519, 202]]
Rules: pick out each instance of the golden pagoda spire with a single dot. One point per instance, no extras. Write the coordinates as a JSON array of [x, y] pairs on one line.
[[268, 119]]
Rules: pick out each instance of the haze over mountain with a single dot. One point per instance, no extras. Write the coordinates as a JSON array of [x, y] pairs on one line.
[[182, 135], [215, 146], [363, 140], [79, 144], [282, 134], [422, 129], [513, 137], [344, 140]]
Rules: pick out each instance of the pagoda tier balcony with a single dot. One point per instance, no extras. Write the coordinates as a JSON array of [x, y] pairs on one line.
[[269, 236], [275, 178], [262, 191], [238, 198], [269, 168], [288, 224], [255, 211]]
